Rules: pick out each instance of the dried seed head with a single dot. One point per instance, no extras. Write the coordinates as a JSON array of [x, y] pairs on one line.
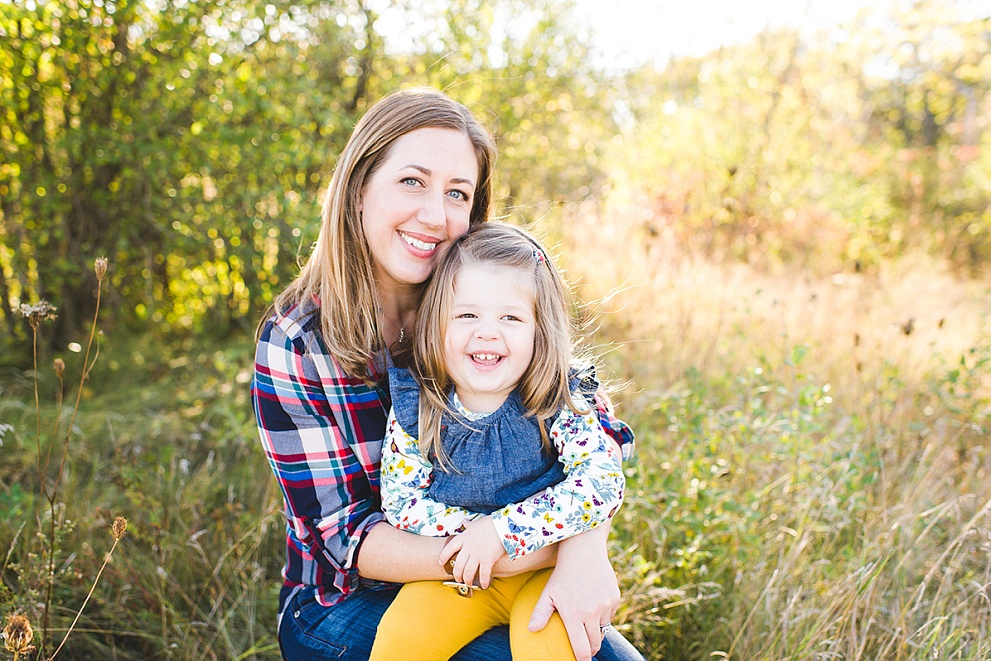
[[119, 527], [59, 367], [37, 313], [17, 635], [101, 268]]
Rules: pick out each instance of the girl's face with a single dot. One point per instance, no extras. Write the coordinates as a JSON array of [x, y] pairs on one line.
[[417, 201], [488, 344]]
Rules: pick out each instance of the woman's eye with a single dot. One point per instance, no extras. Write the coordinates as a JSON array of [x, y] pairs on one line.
[[459, 195], [411, 181]]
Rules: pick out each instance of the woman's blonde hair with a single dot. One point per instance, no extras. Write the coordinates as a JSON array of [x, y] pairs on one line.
[[544, 388], [339, 271]]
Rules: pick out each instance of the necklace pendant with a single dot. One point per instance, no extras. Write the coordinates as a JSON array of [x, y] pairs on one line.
[[402, 335]]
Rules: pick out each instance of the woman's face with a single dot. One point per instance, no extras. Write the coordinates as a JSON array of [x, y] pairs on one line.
[[416, 202]]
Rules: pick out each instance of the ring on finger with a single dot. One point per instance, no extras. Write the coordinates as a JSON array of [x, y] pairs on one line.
[[603, 628]]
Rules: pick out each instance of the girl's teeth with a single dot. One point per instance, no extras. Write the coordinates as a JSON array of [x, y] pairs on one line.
[[416, 243], [485, 357]]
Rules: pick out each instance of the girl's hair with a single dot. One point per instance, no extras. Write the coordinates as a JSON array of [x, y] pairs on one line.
[[339, 271], [544, 388]]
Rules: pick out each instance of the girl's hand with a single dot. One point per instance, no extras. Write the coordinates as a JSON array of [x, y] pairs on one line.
[[478, 548]]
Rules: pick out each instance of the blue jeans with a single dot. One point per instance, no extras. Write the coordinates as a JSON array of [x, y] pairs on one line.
[[312, 632]]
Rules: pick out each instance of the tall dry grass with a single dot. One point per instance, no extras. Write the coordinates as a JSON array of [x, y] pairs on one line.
[[167, 435], [812, 473], [811, 479]]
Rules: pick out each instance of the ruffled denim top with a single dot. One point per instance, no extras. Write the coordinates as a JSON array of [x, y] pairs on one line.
[[498, 458]]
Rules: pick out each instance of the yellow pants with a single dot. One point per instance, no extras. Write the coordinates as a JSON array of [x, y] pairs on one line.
[[430, 621]]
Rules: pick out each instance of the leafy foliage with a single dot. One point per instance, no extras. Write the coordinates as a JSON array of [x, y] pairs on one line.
[[799, 149], [189, 142]]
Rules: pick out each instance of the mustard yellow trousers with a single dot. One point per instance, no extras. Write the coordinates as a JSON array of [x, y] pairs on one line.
[[430, 621]]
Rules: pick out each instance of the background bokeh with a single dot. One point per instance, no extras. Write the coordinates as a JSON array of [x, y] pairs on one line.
[[782, 243]]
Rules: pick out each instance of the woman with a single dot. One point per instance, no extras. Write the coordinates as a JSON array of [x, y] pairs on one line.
[[415, 175]]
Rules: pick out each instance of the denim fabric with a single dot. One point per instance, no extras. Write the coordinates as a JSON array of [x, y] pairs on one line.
[[498, 459], [617, 648], [313, 632]]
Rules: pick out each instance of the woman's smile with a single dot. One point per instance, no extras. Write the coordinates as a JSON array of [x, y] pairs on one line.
[[425, 244]]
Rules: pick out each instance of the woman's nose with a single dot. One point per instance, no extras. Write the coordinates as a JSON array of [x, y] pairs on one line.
[[432, 213]]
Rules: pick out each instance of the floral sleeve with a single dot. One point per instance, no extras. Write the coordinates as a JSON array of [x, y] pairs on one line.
[[405, 489], [590, 494]]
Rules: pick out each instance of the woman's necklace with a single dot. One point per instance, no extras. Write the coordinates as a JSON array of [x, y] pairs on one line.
[[395, 324]]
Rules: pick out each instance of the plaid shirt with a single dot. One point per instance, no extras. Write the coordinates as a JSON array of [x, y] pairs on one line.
[[322, 432]]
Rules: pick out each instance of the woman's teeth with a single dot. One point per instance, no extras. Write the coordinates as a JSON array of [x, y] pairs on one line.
[[416, 243]]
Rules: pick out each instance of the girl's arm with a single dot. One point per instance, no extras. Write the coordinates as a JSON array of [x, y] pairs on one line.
[[406, 499], [590, 494], [389, 554]]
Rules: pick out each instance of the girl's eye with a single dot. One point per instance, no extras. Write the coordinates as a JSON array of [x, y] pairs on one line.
[[465, 315], [511, 317]]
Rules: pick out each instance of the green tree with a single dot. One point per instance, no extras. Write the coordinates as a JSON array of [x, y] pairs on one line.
[[526, 69], [926, 85], [183, 140]]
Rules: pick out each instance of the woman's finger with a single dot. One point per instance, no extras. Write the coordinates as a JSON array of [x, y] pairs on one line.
[[595, 633], [581, 644]]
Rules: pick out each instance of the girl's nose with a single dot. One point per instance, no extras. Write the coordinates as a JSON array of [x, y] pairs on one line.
[[486, 331]]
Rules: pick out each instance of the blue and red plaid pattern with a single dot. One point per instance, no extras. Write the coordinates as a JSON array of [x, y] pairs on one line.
[[322, 433]]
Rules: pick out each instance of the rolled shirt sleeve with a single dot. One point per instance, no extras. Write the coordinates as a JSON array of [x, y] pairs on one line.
[[322, 433]]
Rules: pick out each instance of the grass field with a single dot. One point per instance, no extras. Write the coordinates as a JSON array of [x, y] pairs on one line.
[[811, 480], [812, 472]]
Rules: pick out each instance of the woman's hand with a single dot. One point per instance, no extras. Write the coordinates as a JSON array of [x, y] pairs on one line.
[[583, 589], [478, 548]]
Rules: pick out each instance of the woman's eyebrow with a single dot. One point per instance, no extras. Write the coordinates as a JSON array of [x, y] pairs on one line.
[[427, 171]]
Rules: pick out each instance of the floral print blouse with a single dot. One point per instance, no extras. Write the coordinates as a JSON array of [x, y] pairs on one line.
[[589, 495]]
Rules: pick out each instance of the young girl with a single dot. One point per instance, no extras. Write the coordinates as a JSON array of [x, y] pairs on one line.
[[492, 440]]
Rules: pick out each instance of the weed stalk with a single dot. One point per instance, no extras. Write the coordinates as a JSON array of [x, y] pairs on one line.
[[35, 315]]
